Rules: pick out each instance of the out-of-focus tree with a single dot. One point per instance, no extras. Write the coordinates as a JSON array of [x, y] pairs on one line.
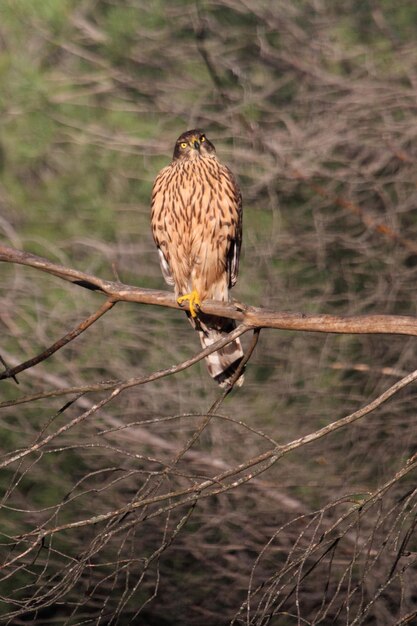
[[313, 105]]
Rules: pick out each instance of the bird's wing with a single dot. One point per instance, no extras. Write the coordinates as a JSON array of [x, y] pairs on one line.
[[234, 207], [158, 223]]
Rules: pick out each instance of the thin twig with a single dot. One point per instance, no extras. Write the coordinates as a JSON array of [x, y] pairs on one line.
[[131, 382], [57, 345], [7, 371], [252, 467]]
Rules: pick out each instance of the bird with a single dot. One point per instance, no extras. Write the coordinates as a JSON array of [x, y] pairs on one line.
[[196, 219]]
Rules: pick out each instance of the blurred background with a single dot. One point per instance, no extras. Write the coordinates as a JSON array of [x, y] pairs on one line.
[[313, 106]]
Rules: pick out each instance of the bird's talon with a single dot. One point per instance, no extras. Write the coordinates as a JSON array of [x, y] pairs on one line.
[[194, 301]]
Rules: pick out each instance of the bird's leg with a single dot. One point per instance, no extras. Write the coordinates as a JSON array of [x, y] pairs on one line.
[[193, 299]]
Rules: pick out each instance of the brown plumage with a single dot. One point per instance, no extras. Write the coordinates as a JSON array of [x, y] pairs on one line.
[[197, 226]]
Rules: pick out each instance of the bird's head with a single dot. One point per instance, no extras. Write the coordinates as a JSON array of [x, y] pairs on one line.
[[193, 144]]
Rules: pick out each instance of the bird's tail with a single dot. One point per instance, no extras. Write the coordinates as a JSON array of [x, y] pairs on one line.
[[223, 363]]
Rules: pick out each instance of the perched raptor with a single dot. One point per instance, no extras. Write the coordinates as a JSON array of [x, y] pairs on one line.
[[197, 226]]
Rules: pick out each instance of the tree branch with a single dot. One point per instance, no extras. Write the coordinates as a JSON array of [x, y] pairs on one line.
[[232, 477], [10, 372], [119, 386], [252, 317]]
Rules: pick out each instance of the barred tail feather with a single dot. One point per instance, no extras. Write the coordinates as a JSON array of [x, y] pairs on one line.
[[222, 364]]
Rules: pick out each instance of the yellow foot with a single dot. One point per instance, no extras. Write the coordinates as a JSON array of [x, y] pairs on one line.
[[194, 301]]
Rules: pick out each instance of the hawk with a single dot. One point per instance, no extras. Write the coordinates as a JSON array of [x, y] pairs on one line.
[[197, 226]]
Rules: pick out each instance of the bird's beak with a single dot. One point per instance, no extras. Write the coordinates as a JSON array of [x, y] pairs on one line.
[[196, 144]]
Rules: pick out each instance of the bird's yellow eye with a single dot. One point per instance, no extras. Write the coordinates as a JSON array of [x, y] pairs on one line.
[[202, 138], [183, 144]]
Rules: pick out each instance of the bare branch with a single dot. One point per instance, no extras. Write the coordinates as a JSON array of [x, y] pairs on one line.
[[253, 467], [121, 386], [252, 317], [57, 345]]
